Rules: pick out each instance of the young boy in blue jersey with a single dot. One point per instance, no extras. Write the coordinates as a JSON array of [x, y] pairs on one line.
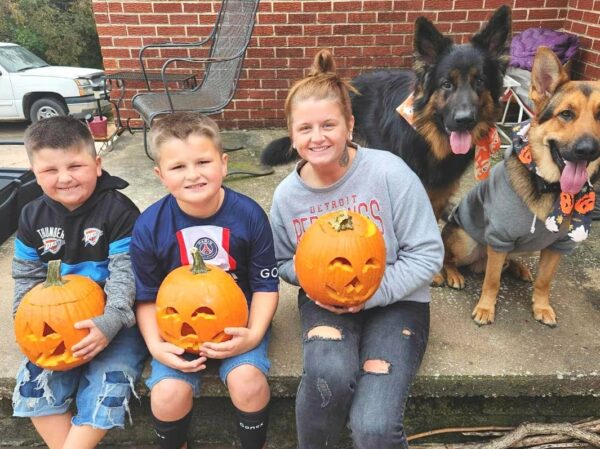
[[231, 231], [83, 220]]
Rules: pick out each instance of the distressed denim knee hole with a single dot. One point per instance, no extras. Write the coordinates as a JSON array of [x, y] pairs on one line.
[[114, 397], [406, 332], [112, 401], [324, 333], [40, 392], [376, 367], [116, 377], [35, 384]]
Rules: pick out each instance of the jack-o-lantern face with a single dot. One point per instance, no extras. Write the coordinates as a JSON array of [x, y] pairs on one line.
[[46, 315], [566, 202], [340, 259], [525, 155], [586, 203], [196, 303]]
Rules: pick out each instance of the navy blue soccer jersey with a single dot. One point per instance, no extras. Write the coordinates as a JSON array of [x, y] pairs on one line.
[[237, 238]]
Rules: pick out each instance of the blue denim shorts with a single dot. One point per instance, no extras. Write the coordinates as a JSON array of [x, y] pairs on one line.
[[256, 357], [101, 388]]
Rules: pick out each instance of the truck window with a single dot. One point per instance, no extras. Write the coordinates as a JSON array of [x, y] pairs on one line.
[[18, 59]]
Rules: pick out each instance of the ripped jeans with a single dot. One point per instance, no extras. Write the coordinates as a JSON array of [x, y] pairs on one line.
[[101, 388], [335, 387]]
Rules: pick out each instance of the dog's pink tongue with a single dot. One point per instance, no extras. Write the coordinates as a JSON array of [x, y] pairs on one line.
[[573, 176], [460, 142]]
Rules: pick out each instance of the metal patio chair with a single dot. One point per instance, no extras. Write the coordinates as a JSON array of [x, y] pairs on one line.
[[228, 42]]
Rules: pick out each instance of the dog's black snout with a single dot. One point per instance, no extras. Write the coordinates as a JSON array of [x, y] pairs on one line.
[[587, 148], [465, 118]]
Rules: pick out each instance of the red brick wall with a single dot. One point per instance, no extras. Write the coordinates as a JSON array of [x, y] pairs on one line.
[[583, 19], [364, 35]]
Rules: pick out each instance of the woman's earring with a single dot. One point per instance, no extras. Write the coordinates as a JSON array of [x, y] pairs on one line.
[[350, 137]]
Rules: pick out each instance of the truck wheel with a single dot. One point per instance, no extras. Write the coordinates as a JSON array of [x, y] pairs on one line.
[[46, 107]]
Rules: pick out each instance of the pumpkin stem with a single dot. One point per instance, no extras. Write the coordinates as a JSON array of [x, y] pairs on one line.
[[53, 278], [198, 266], [341, 222]]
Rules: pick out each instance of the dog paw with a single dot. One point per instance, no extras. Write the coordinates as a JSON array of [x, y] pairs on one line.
[[484, 315], [519, 270], [455, 280], [545, 315], [438, 280]]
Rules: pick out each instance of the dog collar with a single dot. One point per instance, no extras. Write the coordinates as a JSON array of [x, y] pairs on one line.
[[484, 147], [576, 206]]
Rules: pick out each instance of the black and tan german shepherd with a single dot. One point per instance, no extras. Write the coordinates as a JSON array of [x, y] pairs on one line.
[[456, 91], [538, 199]]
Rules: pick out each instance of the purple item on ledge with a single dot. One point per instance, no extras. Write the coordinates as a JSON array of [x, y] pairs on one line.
[[524, 45]]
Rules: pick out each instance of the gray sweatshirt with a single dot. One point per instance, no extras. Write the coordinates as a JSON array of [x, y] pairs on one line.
[[382, 187], [494, 215]]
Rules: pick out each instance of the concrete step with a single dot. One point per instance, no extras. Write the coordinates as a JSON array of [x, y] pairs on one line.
[[139, 446], [204, 446], [512, 371]]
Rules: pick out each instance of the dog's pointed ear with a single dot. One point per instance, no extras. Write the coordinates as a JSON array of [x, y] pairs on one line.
[[429, 43], [493, 37], [547, 74]]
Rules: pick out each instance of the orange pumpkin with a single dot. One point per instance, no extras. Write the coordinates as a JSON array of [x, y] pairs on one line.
[[46, 315], [195, 303], [586, 203], [566, 203], [340, 259]]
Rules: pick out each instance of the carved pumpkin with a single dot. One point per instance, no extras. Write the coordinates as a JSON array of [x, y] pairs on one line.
[[340, 259], [195, 303], [46, 315], [586, 203], [566, 203]]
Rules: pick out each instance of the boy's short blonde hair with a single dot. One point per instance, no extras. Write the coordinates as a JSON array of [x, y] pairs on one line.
[[180, 125], [58, 133]]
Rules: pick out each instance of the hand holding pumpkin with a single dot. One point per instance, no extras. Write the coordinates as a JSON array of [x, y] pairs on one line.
[[91, 345], [339, 310], [242, 340], [170, 355]]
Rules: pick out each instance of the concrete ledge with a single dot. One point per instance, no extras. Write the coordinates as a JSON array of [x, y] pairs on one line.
[[516, 360]]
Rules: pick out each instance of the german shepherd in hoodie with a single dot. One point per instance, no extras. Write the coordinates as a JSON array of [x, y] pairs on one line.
[[538, 199], [453, 93]]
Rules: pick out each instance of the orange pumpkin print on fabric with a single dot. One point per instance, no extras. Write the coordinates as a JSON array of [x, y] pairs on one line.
[[525, 155], [586, 203], [44, 320], [566, 203], [340, 259], [484, 149]]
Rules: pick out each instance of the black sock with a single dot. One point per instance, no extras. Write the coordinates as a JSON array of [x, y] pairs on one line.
[[252, 427], [172, 434]]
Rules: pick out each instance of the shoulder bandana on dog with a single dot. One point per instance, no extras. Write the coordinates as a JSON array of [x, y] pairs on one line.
[[484, 148], [577, 205]]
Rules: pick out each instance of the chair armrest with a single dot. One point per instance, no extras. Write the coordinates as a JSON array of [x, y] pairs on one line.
[[208, 59], [170, 45]]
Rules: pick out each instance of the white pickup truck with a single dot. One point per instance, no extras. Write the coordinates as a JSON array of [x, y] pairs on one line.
[[31, 89]]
